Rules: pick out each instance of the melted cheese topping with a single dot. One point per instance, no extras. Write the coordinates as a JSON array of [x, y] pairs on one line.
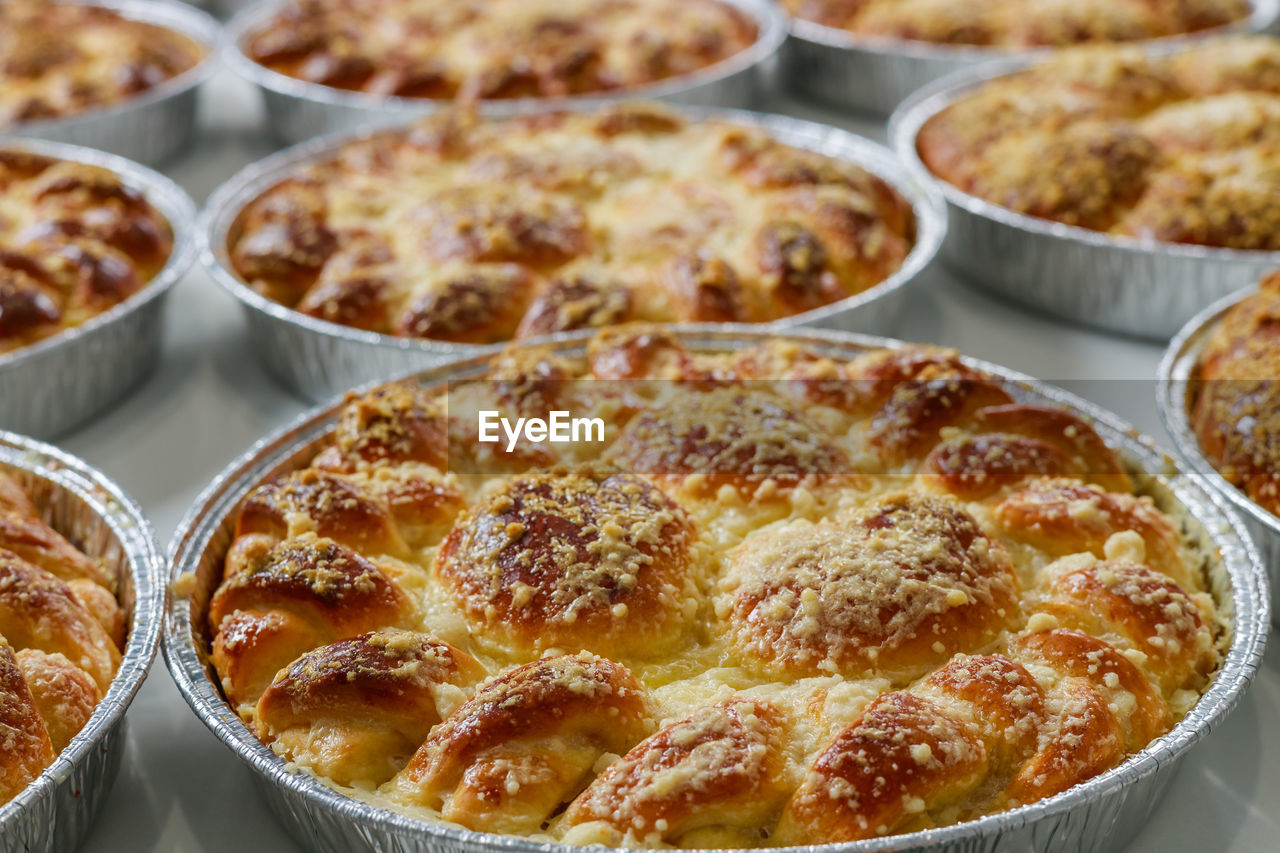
[[1020, 23], [74, 242], [59, 59], [480, 231], [770, 639], [498, 48], [1179, 148]]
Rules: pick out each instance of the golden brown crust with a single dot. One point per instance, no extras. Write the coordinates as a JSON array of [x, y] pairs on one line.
[[509, 757], [719, 772], [1235, 403], [355, 710], [589, 558], [895, 589], [61, 59], [1174, 149], [27, 748], [1020, 23], [76, 242], [478, 231], [290, 598], [64, 693], [61, 629], [496, 50], [802, 567]]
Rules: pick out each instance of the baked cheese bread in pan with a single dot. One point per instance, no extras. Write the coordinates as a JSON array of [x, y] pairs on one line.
[[61, 630], [493, 49], [777, 599], [1235, 396], [1179, 148], [476, 231], [62, 59], [1020, 23], [75, 241]]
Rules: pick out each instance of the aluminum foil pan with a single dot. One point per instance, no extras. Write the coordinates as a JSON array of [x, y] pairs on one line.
[[51, 386], [874, 75], [298, 110], [318, 359], [1119, 284], [1098, 815], [55, 812], [159, 122], [1176, 369]]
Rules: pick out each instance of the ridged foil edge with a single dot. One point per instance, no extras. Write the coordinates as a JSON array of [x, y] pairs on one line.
[[1100, 814], [1117, 284], [53, 814], [158, 123], [872, 76], [59, 383], [317, 359], [1172, 378], [298, 110]]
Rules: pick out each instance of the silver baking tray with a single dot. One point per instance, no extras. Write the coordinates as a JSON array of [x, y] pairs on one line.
[[58, 383], [1098, 815], [1143, 288], [159, 122], [297, 110], [1176, 370], [317, 359], [53, 814], [873, 75]]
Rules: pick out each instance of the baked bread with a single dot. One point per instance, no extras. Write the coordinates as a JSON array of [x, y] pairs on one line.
[[75, 241], [477, 231], [1177, 148], [63, 59], [495, 49], [887, 595], [60, 636], [1234, 400], [1025, 24]]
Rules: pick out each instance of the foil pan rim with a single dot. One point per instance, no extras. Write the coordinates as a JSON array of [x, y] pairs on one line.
[[918, 108], [1172, 377], [1263, 13], [194, 23], [768, 16], [226, 203], [138, 542], [1240, 560], [171, 200]]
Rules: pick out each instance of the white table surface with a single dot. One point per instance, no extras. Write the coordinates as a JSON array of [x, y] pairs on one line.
[[181, 790]]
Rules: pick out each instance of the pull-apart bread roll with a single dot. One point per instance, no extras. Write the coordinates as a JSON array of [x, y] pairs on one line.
[[1235, 410], [1176, 147], [60, 632], [777, 598]]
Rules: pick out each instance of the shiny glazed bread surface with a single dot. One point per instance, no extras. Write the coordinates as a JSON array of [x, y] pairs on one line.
[[476, 231], [61, 630], [1235, 402], [74, 242], [887, 597], [1179, 148], [61, 59], [497, 49]]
